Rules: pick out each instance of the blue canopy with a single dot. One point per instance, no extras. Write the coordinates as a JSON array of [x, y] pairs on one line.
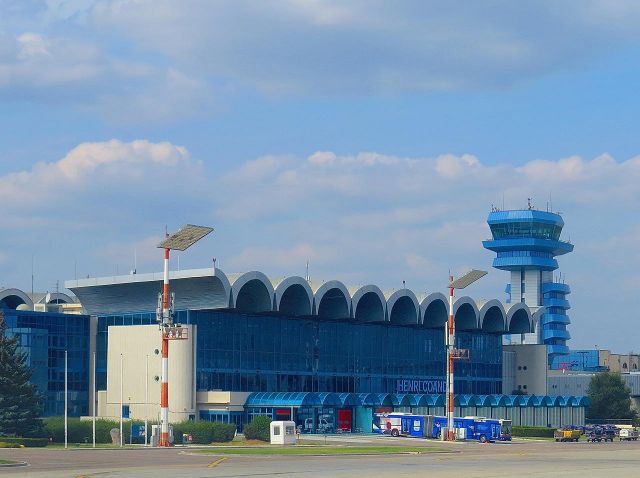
[[293, 399]]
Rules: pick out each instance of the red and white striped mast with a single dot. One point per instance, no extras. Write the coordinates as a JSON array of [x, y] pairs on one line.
[[453, 353], [164, 381], [181, 240], [451, 341]]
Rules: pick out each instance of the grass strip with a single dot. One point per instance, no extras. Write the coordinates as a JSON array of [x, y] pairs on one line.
[[7, 462], [321, 450]]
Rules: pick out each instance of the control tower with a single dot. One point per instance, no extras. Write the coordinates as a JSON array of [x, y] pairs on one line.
[[526, 243]]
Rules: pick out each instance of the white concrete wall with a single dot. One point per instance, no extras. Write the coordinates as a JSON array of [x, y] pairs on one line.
[[532, 288], [508, 371], [515, 287], [220, 400], [529, 370], [138, 344]]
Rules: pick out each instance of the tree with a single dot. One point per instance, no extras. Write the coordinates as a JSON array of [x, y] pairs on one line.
[[20, 401], [609, 397]]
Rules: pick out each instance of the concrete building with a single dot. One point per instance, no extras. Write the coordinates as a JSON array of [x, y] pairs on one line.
[[597, 360], [525, 369], [577, 383]]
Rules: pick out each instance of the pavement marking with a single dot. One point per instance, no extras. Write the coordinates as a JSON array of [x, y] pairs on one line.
[[216, 462]]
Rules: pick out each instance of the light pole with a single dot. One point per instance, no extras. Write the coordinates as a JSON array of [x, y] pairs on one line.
[[121, 399], [93, 394], [453, 353], [146, 399], [180, 241], [66, 399]]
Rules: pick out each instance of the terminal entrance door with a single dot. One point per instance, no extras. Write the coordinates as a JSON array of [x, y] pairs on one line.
[[345, 420]]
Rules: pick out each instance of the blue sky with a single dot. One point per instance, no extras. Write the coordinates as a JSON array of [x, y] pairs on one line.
[[368, 137]]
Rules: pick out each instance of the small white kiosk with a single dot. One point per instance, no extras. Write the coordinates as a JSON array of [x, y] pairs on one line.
[[283, 433]]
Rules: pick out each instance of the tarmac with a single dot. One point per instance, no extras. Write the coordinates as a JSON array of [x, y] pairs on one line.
[[470, 459]]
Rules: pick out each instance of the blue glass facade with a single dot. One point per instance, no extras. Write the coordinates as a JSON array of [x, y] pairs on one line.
[[275, 353], [45, 336], [526, 243], [582, 360]]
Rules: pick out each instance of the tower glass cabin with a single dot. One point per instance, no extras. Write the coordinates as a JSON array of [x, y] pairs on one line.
[[526, 243]]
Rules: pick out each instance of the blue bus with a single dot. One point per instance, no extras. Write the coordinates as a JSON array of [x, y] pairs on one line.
[[481, 429], [477, 428]]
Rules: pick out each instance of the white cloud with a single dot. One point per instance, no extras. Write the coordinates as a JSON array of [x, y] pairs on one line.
[[106, 174], [372, 46], [162, 60]]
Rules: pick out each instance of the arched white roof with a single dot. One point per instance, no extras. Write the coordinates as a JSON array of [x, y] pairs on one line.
[[252, 292], [297, 294], [222, 285], [535, 319], [515, 314], [403, 307], [369, 300], [467, 322], [488, 323], [12, 298], [55, 297], [427, 305], [328, 304]]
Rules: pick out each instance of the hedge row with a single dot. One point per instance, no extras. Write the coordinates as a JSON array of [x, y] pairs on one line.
[[518, 431], [27, 442], [203, 432], [81, 431]]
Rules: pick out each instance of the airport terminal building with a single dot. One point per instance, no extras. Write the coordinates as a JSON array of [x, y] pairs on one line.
[[325, 355]]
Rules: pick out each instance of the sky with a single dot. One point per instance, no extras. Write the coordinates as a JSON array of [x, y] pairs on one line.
[[368, 138]]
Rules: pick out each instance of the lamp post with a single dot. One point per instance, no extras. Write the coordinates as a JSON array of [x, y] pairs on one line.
[[453, 353], [66, 399], [179, 241], [93, 394]]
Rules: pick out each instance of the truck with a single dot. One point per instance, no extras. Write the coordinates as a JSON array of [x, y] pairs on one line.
[[629, 434], [567, 434]]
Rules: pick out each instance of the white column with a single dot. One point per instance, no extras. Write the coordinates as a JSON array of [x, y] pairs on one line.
[[121, 400], [146, 399]]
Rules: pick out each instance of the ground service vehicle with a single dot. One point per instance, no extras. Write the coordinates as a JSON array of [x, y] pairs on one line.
[[601, 433], [505, 429], [629, 434], [567, 434], [482, 429], [403, 424], [429, 426]]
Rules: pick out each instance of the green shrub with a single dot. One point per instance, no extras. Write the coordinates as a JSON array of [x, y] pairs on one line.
[[518, 431], [81, 431], [11, 442], [204, 432], [258, 429]]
